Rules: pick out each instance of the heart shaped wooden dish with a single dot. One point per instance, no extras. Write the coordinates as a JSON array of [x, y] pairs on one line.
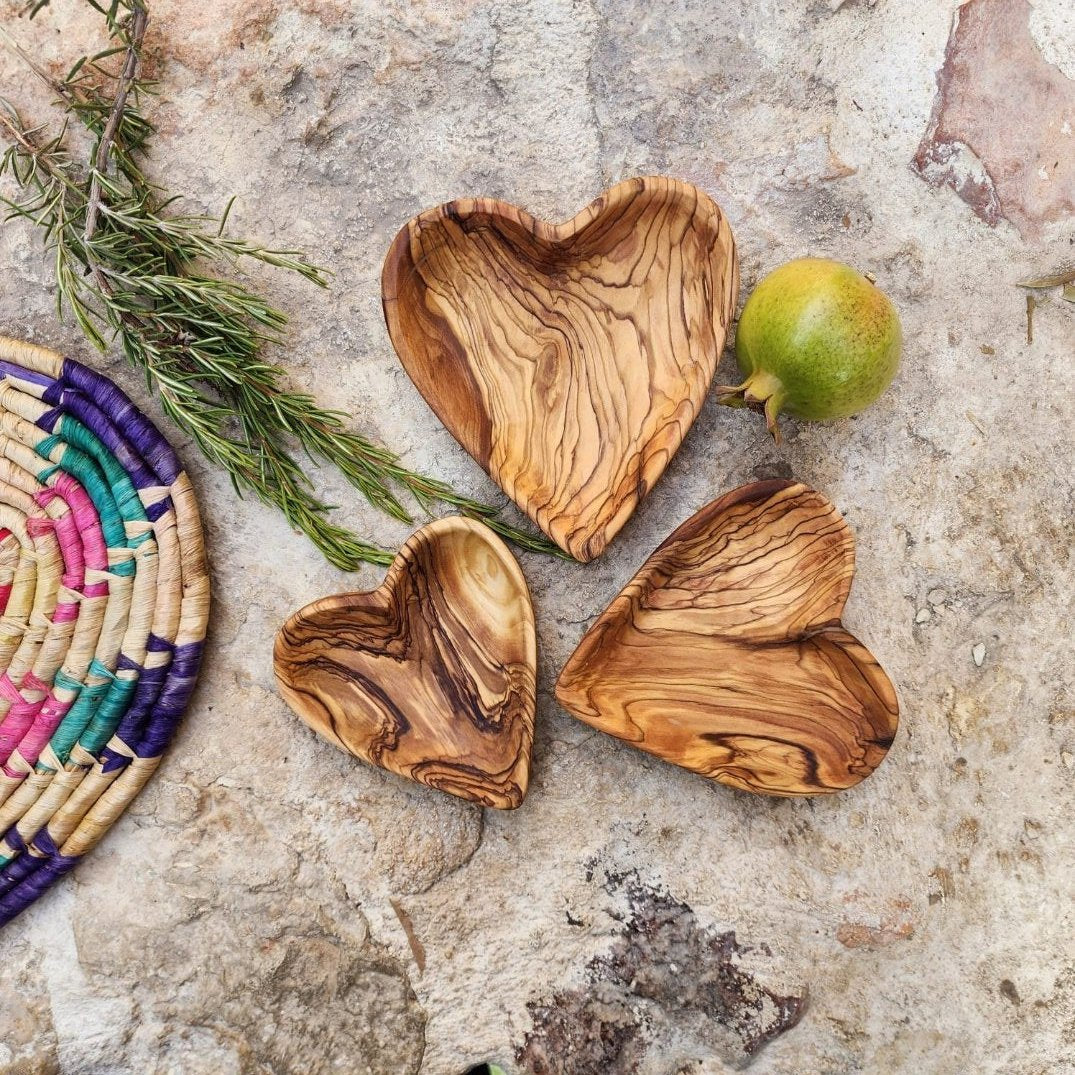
[[569, 359], [725, 653], [432, 674]]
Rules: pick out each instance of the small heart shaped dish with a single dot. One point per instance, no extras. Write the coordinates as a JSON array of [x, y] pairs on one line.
[[431, 675], [725, 654], [568, 359]]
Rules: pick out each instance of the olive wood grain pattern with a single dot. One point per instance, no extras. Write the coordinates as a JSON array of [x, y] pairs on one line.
[[568, 359], [432, 674], [725, 653]]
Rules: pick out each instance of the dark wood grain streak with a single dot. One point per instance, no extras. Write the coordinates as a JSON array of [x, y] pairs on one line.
[[431, 675], [725, 653], [569, 359]]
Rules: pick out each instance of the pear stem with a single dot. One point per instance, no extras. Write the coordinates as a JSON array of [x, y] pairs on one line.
[[761, 392]]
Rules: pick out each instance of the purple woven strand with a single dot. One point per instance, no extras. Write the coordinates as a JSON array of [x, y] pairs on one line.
[[26, 865], [23, 374], [159, 700], [159, 509], [48, 420], [14, 871], [174, 695], [72, 401], [29, 876], [140, 712], [156, 451]]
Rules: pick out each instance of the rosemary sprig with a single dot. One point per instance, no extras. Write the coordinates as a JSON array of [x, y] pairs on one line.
[[131, 269]]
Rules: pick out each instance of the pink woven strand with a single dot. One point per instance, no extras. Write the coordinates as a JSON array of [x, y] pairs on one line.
[[74, 575], [48, 720], [86, 517], [19, 719], [66, 530], [28, 726], [5, 590], [87, 522], [74, 562], [33, 682], [65, 612]]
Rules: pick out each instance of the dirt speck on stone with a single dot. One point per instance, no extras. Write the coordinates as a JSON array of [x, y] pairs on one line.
[[863, 935]]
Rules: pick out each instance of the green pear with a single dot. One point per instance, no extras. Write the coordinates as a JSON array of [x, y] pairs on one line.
[[816, 339]]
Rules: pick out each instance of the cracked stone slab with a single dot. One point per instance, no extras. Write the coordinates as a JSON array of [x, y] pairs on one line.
[[669, 992]]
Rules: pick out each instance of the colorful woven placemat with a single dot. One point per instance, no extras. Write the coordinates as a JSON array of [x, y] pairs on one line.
[[104, 595]]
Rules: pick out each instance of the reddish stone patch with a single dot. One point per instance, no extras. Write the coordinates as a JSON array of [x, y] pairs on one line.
[[895, 924], [1002, 130], [861, 935]]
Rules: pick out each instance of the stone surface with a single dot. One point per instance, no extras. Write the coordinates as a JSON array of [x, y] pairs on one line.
[[244, 915]]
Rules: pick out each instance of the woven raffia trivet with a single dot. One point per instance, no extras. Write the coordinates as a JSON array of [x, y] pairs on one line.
[[104, 595]]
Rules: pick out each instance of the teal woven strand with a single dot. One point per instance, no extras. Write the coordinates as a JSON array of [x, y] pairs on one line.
[[87, 459], [123, 490], [89, 475], [109, 713], [77, 719]]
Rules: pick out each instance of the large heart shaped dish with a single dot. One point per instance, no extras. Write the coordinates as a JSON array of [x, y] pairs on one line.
[[725, 653], [431, 675], [568, 359]]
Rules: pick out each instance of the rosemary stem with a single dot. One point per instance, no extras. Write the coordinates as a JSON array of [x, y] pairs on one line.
[[139, 23], [128, 264]]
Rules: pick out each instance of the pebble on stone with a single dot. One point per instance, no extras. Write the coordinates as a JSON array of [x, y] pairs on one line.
[[978, 653]]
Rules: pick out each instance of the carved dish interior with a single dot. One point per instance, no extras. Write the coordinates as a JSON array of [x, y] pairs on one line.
[[725, 653], [568, 359], [431, 675]]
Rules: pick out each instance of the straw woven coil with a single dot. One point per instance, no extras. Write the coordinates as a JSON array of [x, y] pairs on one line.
[[104, 596]]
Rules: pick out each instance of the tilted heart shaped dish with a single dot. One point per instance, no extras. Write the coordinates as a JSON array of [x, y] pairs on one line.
[[432, 674], [569, 359], [725, 653]]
